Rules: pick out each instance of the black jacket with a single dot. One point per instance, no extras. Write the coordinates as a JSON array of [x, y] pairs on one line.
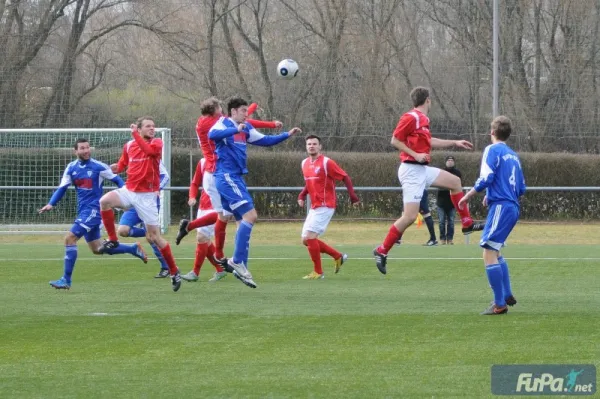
[[443, 197]]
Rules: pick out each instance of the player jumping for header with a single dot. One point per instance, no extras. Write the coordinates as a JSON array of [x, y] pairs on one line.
[[211, 113], [413, 139], [231, 136], [141, 156]]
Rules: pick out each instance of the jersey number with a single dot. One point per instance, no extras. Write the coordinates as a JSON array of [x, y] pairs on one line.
[[513, 179]]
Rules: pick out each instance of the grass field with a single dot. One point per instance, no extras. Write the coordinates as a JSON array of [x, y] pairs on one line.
[[413, 333]]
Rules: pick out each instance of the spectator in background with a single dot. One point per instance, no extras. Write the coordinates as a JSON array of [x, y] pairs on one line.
[[446, 209]]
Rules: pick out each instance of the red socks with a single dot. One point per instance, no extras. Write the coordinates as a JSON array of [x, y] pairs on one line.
[[206, 220], [108, 220], [168, 255], [393, 235], [465, 215], [326, 249], [201, 250], [219, 238], [210, 254], [315, 254]]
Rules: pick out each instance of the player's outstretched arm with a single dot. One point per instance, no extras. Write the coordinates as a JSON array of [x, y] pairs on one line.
[[440, 143], [486, 176], [261, 124], [65, 182], [265, 124], [260, 139]]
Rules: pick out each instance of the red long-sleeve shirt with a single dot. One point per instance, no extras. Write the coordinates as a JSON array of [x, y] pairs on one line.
[[142, 159], [320, 176]]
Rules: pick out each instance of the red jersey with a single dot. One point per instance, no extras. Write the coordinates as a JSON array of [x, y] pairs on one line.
[[142, 159], [413, 130], [205, 203], [320, 176], [208, 146]]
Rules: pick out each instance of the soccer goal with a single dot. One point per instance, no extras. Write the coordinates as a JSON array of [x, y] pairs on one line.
[[32, 162]]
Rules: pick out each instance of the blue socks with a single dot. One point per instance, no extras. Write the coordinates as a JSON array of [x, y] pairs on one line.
[[137, 232], [70, 259], [495, 277], [505, 277], [163, 263], [242, 243], [122, 249]]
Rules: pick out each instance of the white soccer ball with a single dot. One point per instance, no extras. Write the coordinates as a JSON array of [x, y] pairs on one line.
[[287, 69]]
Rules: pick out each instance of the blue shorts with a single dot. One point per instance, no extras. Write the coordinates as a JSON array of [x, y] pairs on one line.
[[131, 218], [424, 205], [235, 197], [87, 224], [502, 218]]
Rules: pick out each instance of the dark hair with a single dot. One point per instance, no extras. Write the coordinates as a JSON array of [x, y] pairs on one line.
[[313, 136], [419, 95], [235, 103], [79, 141], [142, 119], [209, 106], [502, 127]]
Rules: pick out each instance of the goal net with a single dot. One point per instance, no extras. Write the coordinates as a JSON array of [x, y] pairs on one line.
[[32, 162]]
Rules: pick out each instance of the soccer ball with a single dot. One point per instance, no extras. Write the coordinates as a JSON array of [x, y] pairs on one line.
[[287, 69]]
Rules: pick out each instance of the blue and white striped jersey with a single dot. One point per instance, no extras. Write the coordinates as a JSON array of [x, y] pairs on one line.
[[88, 178], [501, 174], [231, 144]]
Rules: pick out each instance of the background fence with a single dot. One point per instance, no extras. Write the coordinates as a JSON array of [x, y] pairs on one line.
[[86, 63]]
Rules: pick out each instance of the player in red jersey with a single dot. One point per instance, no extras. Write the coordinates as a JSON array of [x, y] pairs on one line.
[[204, 247], [320, 174], [413, 139], [211, 111], [141, 156]]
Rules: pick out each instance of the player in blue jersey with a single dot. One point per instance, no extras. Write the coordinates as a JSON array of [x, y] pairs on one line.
[[502, 178], [231, 136], [130, 224], [87, 175]]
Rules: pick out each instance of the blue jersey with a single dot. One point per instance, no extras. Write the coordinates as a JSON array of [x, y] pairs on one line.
[[164, 175], [501, 174], [88, 179], [231, 144]]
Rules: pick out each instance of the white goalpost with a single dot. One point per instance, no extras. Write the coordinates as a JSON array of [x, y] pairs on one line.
[[32, 162]]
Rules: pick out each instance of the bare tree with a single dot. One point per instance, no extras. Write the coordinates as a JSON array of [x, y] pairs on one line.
[[24, 28]]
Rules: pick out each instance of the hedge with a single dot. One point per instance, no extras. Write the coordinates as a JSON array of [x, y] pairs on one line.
[[271, 168]]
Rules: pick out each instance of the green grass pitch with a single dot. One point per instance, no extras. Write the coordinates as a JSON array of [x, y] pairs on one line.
[[413, 333]]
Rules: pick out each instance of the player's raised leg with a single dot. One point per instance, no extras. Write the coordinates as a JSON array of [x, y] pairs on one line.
[[109, 201], [453, 183]]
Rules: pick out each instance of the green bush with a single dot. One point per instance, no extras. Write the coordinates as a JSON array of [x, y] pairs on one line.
[[270, 168]]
